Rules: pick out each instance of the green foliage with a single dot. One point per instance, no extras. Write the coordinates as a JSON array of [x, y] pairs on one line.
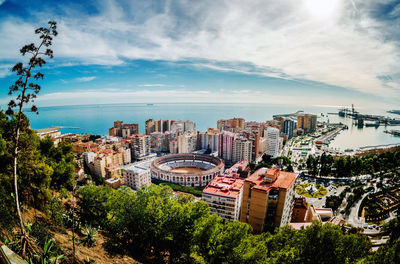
[[354, 165], [90, 236], [156, 226]]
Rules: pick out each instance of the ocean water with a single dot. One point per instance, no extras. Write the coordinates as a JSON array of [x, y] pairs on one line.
[[97, 119]]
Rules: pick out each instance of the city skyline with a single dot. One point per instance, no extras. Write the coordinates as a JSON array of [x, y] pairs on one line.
[[309, 52]]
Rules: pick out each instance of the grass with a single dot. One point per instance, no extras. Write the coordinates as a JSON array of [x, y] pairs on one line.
[[301, 190]]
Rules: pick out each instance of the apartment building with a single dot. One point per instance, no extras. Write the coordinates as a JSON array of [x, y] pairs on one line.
[[161, 126], [272, 136], [137, 176], [231, 125], [187, 143], [123, 130], [209, 140], [183, 126], [224, 193], [242, 150], [268, 199], [307, 122], [225, 145], [140, 146]]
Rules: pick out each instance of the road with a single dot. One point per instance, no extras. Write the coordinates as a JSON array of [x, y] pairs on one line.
[[353, 218]]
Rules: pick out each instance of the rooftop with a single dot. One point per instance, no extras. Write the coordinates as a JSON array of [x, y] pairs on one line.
[[225, 186], [267, 179]]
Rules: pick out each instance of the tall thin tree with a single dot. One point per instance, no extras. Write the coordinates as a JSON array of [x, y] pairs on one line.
[[26, 89]]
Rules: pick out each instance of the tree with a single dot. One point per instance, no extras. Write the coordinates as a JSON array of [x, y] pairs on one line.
[[27, 91]]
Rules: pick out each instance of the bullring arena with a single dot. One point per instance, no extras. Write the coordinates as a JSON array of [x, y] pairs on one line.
[[187, 169]]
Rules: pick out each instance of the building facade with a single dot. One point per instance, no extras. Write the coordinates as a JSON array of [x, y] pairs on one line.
[[137, 176], [225, 145], [242, 150], [272, 136], [224, 195], [268, 199]]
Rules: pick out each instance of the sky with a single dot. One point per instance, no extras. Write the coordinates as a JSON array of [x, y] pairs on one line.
[[300, 52]]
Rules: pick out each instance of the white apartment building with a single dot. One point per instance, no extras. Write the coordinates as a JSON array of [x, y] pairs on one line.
[[88, 157], [137, 176], [272, 135]]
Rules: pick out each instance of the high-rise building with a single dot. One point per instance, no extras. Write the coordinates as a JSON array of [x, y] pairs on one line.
[[140, 146], [307, 122], [183, 126], [209, 139], [232, 125], [268, 199], [288, 127], [123, 130], [158, 126], [272, 136], [242, 150], [225, 145], [173, 146], [187, 143]]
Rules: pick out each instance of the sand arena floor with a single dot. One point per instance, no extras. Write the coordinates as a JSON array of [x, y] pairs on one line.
[[187, 170]]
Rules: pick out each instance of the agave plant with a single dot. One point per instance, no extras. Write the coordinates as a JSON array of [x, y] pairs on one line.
[[49, 255], [90, 236]]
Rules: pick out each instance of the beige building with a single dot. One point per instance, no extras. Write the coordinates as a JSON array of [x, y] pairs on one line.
[[242, 150], [268, 199], [187, 143], [232, 125]]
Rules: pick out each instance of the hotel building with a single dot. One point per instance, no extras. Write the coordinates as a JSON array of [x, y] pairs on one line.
[[268, 199]]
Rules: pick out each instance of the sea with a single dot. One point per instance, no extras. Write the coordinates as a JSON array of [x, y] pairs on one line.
[[97, 119]]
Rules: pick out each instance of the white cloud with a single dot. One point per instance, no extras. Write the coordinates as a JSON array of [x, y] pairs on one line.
[[107, 96], [85, 79], [279, 38], [5, 70], [152, 85]]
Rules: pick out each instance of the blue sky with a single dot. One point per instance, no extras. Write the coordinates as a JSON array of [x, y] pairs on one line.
[[303, 52]]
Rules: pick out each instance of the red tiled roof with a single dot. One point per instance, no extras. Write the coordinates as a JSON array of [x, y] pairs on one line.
[[283, 181], [225, 186]]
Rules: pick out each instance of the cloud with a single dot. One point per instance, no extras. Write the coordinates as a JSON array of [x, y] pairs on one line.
[[278, 39], [5, 70], [152, 85], [107, 96], [85, 79]]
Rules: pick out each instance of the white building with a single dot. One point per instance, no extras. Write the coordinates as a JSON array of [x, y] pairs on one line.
[[272, 135], [88, 157], [137, 176]]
